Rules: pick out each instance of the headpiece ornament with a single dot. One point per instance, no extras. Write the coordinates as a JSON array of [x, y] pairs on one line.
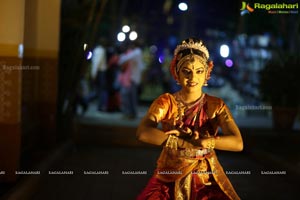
[[192, 44], [189, 49]]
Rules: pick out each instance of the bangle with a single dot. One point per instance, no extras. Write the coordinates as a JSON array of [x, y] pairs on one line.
[[172, 142], [211, 143]]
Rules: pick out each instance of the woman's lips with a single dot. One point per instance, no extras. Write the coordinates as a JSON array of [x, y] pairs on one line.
[[192, 84]]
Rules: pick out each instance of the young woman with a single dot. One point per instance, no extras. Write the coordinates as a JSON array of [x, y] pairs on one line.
[[188, 167]]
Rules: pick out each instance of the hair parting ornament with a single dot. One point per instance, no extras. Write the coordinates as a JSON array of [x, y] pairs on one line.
[[188, 50]]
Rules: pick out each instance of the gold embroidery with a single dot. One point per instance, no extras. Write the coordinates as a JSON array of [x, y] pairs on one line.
[[170, 160], [183, 188]]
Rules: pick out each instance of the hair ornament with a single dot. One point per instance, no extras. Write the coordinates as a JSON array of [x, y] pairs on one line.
[[192, 44]]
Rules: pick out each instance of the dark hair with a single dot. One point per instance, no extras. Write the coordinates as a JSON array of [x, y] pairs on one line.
[[185, 52]]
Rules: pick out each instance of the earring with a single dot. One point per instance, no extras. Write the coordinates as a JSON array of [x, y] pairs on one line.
[[205, 82]]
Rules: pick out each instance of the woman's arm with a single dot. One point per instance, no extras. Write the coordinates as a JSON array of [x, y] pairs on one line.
[[149, 133], [230, 141]]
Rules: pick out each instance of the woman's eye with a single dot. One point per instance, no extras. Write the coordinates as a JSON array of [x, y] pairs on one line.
[[200, 71], [186, 72]]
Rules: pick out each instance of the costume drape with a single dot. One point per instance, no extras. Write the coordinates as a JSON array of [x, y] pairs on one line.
[[189, 174]]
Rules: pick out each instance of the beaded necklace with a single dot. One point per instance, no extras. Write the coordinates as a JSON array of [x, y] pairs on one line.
[[186, 116]]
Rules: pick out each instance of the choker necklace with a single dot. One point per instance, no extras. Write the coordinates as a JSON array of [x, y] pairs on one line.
[[191, 104], [183, 106]]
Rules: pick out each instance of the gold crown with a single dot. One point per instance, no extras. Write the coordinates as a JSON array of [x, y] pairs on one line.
[[192, 45]]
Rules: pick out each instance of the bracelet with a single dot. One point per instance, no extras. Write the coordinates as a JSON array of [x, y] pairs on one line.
[[172, 142], [211, 143]]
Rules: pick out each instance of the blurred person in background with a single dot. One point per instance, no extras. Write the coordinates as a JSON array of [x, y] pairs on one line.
[[113, 68], [188, 167], [98, 75], [132, 67], [83, 94]]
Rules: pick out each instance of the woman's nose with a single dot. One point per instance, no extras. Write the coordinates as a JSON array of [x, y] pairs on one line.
[[191, 75]]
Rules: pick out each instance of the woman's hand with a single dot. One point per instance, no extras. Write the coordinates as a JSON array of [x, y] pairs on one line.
[[205, 142], [181, 132], [191, 139]]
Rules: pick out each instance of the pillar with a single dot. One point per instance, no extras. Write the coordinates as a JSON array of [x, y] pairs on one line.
[[29, 45], [39, 89], [11, 38]]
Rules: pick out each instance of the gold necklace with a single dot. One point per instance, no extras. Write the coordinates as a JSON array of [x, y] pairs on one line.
[[191, 104], [183, 106]]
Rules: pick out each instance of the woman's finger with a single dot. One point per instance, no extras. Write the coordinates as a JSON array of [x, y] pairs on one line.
[[173, 132], [196, 133]]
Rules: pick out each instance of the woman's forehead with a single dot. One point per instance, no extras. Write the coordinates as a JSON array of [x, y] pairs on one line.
[[194, 63]]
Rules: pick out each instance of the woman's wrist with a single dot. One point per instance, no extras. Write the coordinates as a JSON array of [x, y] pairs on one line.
[[182, 143], [208, 143]]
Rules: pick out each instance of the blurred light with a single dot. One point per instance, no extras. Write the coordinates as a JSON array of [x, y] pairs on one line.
[[133, 35], [263, 40], [167, 6], [183, 6], [224, 51], [170, 20], [89, 55], [161, 59], [265, 54], [125, 28], [85, 46], [228, 63], [153, 48], [20, 50], [121, 37], [172, 41]]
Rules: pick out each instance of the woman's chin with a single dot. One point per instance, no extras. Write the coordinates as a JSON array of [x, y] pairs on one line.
[[193, 88]]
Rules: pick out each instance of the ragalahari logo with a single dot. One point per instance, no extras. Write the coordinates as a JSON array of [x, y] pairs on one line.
[[246, 9]]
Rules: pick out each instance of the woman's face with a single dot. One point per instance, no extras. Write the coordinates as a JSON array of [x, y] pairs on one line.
[[192, 75]]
